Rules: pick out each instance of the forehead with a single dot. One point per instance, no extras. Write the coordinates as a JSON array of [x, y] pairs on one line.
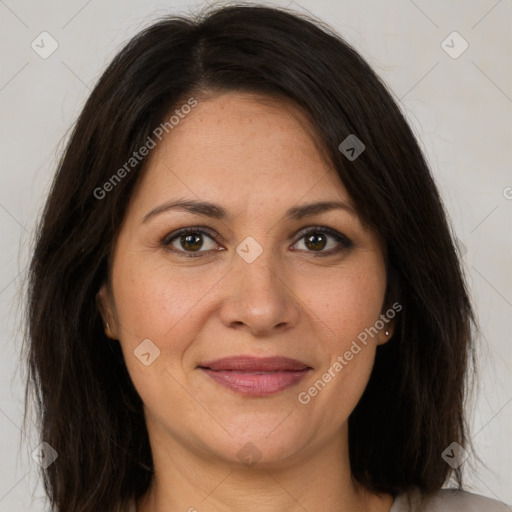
[[245, 149]]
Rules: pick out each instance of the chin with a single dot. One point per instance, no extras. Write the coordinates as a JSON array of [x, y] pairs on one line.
[[257, 441]]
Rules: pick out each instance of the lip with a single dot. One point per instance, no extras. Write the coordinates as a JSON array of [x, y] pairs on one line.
[[256, 376], [255, 364]]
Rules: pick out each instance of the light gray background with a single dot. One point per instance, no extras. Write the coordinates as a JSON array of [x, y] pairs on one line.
[[459, 108]]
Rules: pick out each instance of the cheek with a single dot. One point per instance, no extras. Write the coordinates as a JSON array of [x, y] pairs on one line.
[[151, 300], [164, 303], [167, 305], [154, 303], [346, 309], [349, 302], [170, 305]]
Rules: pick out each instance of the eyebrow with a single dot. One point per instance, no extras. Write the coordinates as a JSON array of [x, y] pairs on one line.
[[216, 211]]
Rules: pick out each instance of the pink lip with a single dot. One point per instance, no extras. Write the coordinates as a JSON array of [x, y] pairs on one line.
[[256, 376]]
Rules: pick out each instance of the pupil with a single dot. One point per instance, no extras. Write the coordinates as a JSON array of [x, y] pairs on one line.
[[193, 242], [314, 240]]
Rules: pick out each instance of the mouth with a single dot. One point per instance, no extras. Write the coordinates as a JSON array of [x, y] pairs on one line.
[[254, 376]]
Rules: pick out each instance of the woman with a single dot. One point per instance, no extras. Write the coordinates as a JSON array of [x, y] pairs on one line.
[[245, 294]]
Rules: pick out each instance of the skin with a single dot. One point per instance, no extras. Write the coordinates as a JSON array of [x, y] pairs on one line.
[[256, 158]]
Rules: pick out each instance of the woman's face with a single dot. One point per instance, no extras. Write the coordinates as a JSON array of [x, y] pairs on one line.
[[248, 284]]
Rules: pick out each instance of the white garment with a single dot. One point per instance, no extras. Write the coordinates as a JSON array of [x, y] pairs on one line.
[[445, 500]]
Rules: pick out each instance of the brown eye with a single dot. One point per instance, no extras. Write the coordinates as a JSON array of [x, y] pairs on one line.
[[191, 242], [316, 239], [188, 241]]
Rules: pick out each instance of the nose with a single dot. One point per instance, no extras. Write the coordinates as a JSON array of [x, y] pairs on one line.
[[259, 296]]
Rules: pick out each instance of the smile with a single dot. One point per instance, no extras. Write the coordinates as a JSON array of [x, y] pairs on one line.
[[256, 376]]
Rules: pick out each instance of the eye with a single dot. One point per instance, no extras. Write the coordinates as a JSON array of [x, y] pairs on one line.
[[188, 241], [316, 238]]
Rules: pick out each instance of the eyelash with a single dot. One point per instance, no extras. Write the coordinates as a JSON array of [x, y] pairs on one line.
[[340, 238]]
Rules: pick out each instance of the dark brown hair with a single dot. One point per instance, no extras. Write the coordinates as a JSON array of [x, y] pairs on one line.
[[88, 408]]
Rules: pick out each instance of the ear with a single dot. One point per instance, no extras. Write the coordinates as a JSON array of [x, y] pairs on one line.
[[386, 323], [390, 309], [103, 302], [387, 331]]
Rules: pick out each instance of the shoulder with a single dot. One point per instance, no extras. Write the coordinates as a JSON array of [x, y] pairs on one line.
[[447, 500]]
